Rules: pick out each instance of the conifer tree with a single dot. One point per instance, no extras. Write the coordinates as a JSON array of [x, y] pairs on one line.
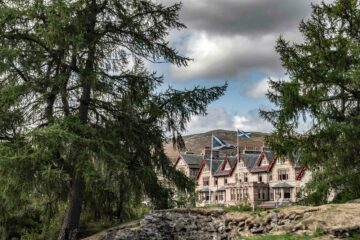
[[81, 119], [324, 88]]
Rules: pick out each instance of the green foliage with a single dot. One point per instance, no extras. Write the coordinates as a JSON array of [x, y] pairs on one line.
[[324, 88], [239, 208], [319, 231], [80, 114]]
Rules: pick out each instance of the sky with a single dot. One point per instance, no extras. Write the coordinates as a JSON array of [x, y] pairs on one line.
[[233, 41]]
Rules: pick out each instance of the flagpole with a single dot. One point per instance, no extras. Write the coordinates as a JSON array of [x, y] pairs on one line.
[[211, 157], [237, 144]]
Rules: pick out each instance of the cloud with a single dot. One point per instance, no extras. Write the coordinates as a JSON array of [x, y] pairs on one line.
[[218, 57], [259, 89], [230, 39], [219, 118], [245, 17]]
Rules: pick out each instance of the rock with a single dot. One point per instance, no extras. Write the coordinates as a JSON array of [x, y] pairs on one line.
[[292, 216], [257, 230], [274, 217]]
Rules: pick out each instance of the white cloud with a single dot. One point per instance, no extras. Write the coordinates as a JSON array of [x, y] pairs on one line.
[[219, 118], [259, 89]]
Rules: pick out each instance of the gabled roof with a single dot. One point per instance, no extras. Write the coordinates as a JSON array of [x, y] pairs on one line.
[[193, 160], [232, 161], [215, 164], [250, 159], [221, 172], [258, 168], [301, 173], [269, 155], [218, 166]]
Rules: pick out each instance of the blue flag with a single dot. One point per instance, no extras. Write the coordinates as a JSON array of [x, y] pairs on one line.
[[241, 133], [219, 144]]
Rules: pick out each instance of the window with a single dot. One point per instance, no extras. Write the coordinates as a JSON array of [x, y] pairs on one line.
[[270, 177], [220, 196], [264, 194], [246, 193], [283, 174], [236, 177], [207, 197], [245, 177], [225, 181], [232, 194], [259, 194], [215, 182], [260, 178], [287, 193], [206, 181], [265, 162]]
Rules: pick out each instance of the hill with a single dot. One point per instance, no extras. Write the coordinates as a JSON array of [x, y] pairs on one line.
[[197, 142]]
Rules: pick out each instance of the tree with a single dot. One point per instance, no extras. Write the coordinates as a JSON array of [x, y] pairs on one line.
[[324, 88], [81, 118]]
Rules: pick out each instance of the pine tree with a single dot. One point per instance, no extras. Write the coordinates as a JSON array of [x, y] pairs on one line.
[[81, 119], [324, 88]]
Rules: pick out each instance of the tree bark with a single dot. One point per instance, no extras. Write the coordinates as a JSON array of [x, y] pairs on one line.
[[69, 229]]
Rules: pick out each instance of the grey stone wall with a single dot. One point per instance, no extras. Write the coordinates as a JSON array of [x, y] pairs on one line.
[[201, 224]]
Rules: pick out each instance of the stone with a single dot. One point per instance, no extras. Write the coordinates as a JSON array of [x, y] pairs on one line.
[[274, 217], [241, 224], [257, 230]]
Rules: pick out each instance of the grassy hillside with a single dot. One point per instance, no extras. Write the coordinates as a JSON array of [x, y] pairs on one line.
[[197, 142]]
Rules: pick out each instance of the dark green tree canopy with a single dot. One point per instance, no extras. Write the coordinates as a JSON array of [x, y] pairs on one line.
[[81, 119], [324, 87]]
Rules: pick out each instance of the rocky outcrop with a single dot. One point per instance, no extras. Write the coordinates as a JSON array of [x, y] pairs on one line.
[[217, 224]]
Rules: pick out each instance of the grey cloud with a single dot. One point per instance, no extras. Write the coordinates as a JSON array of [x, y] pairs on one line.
[[245, 17]]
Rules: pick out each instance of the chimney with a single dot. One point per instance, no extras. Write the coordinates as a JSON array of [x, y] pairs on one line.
[[206, 153]]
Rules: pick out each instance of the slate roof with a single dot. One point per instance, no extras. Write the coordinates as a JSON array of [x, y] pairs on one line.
[[259, 169], [192, 159], [282, 185], [269, 155], [250, 160], [215, 164], [232, 161]]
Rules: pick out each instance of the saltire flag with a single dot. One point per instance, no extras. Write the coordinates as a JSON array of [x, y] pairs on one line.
[[218, 144], [241, 133]]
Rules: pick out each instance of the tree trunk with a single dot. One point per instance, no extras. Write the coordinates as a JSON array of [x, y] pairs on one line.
[[69, 229]]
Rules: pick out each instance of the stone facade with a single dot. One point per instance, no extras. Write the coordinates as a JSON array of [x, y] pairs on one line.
[[253, 177]]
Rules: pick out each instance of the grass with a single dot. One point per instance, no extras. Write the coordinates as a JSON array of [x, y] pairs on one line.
[[277, 237]]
